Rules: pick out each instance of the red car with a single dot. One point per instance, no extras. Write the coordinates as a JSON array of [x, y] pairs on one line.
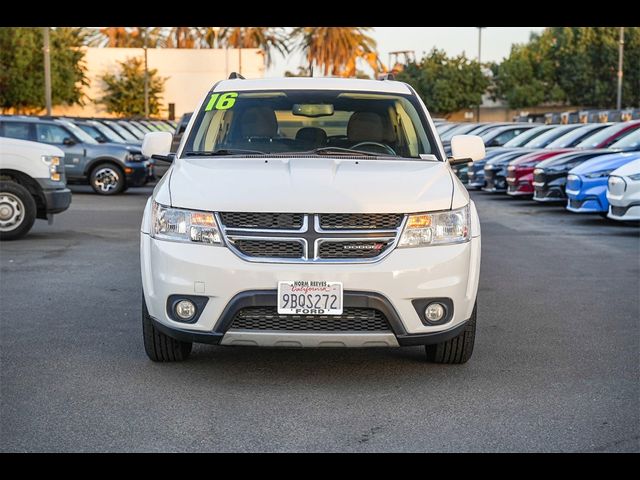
[[520, 170]]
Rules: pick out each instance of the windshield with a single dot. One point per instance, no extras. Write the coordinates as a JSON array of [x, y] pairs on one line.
[[458, 130], [597, 140], [271, 121], [527, 136], [136, 132], [548, 137], [107, 133], [123, 132], [78, 132], [575, 136], [630, 141]]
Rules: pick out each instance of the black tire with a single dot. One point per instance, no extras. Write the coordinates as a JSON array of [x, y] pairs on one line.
[[458, 349], [17, 211], [158, 346], [107, 179]]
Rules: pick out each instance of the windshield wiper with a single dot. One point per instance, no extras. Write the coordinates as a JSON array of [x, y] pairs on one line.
[[346, 151], [222, 152]]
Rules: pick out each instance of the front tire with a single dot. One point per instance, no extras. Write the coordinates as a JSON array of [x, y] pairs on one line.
[[458, 349], [158, 346], [17, 211], [107, 179]]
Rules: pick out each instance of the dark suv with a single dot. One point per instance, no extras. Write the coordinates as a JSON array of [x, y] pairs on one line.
[[110, 168]]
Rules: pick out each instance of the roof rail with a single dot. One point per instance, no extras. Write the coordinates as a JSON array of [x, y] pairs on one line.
[[234, 75], [386, 76]]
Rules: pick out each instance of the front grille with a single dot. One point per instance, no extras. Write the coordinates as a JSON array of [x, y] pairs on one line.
[[281, 221], [366, 221], [352, 320], [270, 248], [352, 249], [300, 237]]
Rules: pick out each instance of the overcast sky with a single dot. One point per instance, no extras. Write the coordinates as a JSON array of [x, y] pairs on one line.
[[496, 43]]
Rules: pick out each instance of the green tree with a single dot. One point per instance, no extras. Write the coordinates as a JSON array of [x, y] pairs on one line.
[[446, 84], [586, 60], [528, 77], [124, 91], [574, 65], [22, 68], [331, 48]]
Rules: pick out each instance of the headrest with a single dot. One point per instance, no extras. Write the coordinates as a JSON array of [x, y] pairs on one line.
[[369, 127], [259, 122]]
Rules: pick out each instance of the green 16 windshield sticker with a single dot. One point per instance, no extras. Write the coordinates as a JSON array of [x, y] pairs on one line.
[[221, 101]]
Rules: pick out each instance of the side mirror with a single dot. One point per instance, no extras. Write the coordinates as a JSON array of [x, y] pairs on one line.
[[494, 143], [68, 141], [465, 148], [101, 139], [157, 145]]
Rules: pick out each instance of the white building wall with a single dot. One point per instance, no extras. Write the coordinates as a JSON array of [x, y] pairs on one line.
[[190, 73]]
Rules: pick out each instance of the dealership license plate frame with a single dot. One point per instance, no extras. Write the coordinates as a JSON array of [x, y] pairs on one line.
[[317, 306]]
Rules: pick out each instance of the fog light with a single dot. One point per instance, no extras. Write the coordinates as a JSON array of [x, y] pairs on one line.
[[185, 309], [435, 312]]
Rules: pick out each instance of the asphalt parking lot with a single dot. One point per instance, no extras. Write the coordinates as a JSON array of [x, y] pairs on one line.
[[555, 366]]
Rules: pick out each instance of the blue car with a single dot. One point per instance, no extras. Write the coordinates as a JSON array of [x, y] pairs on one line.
[[587, 183]]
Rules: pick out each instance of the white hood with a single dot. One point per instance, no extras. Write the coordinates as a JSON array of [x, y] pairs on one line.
[[326, 185]]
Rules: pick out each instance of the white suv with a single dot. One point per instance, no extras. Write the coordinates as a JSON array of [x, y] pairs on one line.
[[310, 212]]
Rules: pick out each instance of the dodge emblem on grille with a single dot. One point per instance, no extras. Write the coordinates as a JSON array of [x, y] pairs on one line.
[[374, 246]]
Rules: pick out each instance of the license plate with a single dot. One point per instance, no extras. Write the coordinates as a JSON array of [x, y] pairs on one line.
[[300, 297]]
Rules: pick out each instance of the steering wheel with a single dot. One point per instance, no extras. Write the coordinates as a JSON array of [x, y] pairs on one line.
[[386, 148]]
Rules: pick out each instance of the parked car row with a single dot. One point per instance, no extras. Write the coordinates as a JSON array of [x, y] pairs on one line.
[[590, 167], [39, 155]]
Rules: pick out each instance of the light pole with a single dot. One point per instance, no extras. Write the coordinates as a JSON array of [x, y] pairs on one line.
[[146, 76], [479, 63], [47, 69], [620, 60]]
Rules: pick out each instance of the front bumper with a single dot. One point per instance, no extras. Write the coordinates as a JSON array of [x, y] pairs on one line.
[[495, 181], [57, 200], [627, 213], [589, 197], [549, 187], [138, 174], [519, 184], [476, 178], [170, 268], [624, 200]]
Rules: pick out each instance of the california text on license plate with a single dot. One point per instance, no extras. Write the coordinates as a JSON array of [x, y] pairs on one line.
[[299, 297]]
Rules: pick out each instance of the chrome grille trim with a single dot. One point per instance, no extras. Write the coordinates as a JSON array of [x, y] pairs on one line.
[[311, 249]]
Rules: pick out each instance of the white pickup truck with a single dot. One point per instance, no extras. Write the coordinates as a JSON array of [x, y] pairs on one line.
[[32, 185], [310, 212]]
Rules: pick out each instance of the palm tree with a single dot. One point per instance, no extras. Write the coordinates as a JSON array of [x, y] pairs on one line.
[[122, 37], [331, 48], [182, 37], [265, 38]]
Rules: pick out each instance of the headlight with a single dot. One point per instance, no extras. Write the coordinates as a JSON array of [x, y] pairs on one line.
[[185, 225], [438, 228], [55, 166], [511, 168], [134, 157], [635, 177], [538, 171], [600, 174]]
